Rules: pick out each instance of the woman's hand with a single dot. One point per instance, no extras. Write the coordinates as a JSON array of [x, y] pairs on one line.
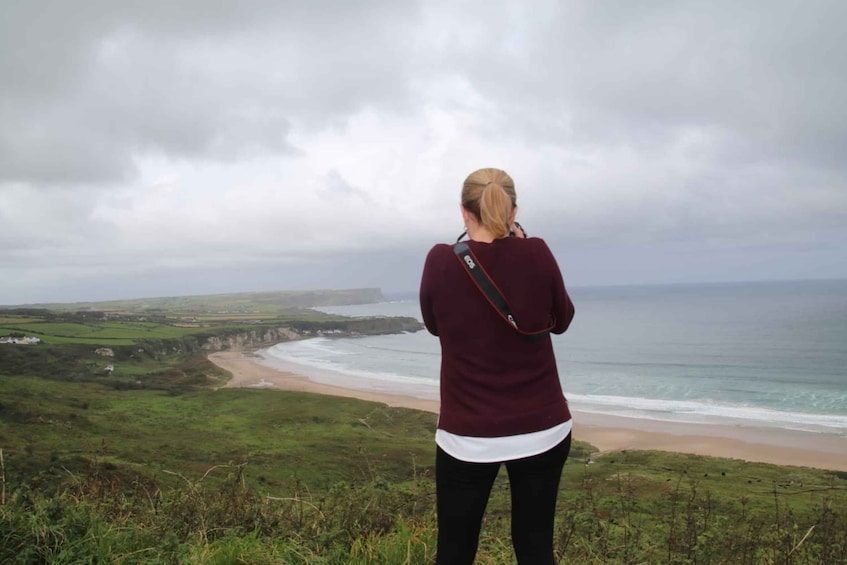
[[517, 230]]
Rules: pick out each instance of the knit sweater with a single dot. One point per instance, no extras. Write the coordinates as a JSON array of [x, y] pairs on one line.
[[494, 382]]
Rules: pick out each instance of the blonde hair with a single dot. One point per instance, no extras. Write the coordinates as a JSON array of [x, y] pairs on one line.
[[489, 194]]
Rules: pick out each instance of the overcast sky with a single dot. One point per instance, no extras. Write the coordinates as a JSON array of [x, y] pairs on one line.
[[164, 148]]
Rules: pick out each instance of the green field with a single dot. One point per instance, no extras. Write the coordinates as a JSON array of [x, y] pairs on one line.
[[103, 333], [125, 329]]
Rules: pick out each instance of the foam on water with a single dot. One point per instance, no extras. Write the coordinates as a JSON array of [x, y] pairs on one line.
[[702, 412], [305, 357]]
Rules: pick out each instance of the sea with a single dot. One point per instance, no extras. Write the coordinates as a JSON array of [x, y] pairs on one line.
[[763, 354]]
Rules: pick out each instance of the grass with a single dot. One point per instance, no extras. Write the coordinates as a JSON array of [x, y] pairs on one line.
[[263, 476], [100, 333], [8, 319], [285, 437]]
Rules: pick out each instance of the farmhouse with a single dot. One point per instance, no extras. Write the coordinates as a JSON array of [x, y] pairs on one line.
[[20, 340]]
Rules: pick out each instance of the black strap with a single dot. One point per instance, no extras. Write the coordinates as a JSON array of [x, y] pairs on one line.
[[484, 283]]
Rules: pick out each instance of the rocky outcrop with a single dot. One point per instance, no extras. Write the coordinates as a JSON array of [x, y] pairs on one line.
[[264, 337], [249, 339], [374, 325], [259, 336]]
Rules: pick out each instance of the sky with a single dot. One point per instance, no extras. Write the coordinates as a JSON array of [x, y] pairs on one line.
[[164, 148]]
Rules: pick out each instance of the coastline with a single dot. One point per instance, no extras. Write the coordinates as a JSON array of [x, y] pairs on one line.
[[607, 433]]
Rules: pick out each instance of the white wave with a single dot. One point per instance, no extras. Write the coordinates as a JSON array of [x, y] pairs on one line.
[[321, 369], [304, 348], [698, 412]]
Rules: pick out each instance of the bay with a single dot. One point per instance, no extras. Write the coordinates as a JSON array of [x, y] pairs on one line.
[[746, 354]]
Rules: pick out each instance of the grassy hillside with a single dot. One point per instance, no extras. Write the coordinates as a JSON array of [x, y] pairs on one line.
[[103, 331], [236, 304], [155, 463], [48, 427], [263, 476]]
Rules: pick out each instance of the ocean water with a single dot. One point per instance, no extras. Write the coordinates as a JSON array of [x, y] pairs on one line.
[[745, 354]]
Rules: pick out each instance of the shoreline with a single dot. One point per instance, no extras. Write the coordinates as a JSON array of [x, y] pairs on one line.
[[608, 434]]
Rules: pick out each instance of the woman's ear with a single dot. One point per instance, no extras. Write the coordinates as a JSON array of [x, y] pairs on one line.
[[465, 215], [514, 213]]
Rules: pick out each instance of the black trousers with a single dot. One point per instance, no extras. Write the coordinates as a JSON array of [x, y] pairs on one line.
[[462, 491]]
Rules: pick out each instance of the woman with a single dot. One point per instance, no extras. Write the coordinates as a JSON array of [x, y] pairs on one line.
[[501, 400]]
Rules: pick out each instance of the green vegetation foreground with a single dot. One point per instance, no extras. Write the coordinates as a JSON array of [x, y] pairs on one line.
[[96, 475]]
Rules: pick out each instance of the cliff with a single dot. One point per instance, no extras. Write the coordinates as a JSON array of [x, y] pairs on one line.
[[249, 339], [264, 337]]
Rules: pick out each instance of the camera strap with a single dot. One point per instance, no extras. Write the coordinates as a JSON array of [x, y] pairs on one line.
[[490, 291]]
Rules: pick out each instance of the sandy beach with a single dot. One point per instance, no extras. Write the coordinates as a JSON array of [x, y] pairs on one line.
[[607, 433]]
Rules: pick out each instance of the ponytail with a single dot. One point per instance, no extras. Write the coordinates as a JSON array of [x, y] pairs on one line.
[[495, 209]]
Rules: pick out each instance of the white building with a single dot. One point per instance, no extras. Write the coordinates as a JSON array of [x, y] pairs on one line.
[[26, 340]]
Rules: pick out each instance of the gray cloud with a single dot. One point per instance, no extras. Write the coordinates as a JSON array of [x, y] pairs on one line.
[[88, 88], [336, 187], [163, 142], [608, 74]]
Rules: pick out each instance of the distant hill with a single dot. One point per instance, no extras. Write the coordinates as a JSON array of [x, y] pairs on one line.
[[238, 303]]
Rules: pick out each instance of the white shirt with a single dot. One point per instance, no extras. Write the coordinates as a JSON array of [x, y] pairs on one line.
[[507, 448]]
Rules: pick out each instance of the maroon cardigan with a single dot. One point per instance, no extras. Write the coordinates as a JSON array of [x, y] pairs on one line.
[[494, 382]]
